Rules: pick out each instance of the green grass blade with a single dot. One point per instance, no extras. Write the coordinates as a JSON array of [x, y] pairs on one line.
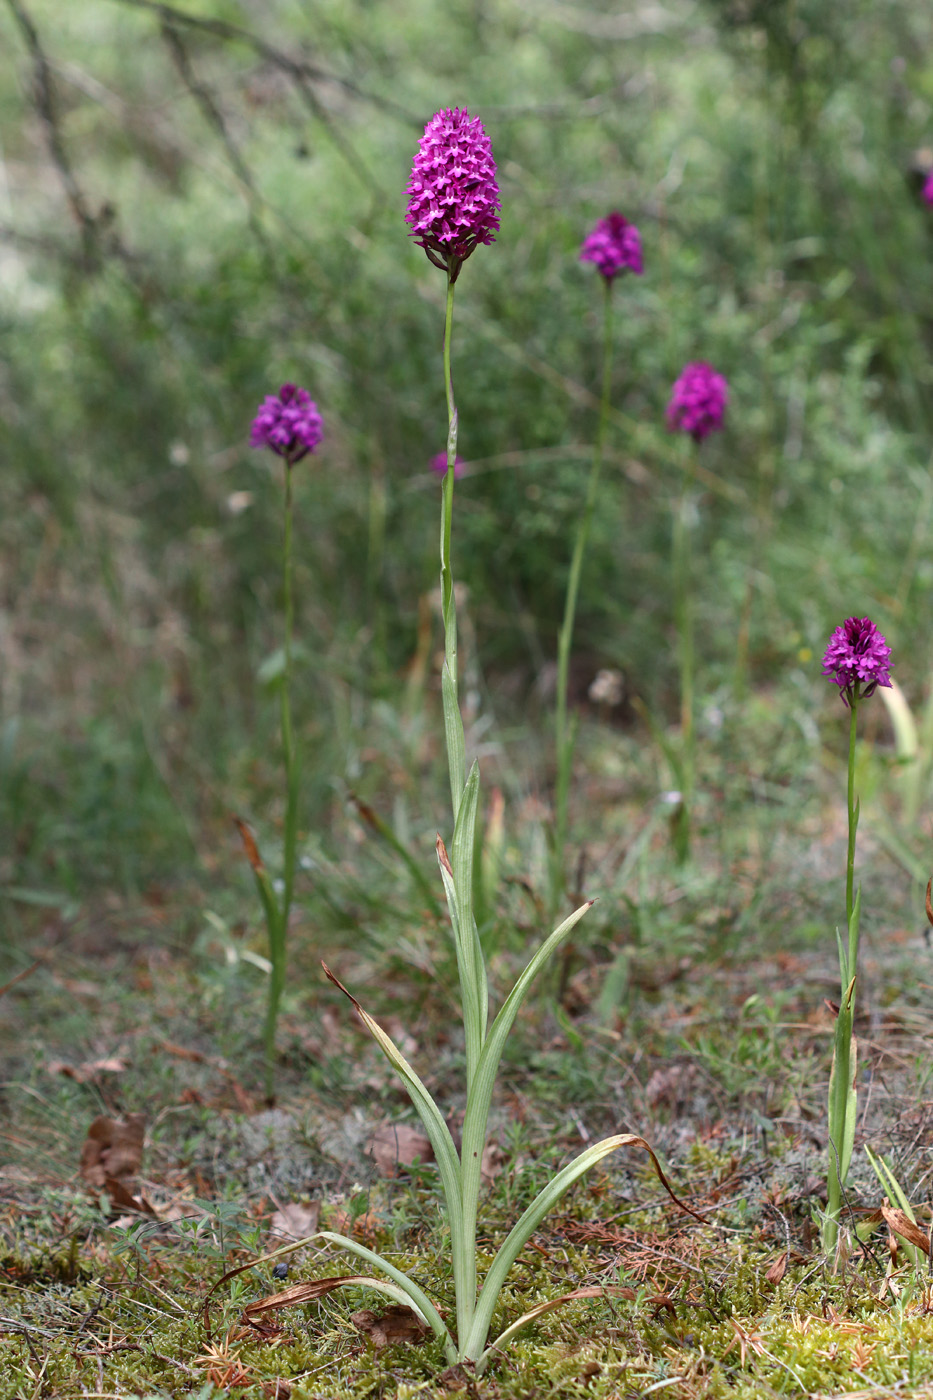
[[529, 1221], [413, 1294], [445, 1152]]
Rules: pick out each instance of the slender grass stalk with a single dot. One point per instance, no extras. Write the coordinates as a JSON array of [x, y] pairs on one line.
[[565, 733]]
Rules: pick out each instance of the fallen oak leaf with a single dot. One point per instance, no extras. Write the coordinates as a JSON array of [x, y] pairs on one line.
[[294, 1221], [389, 1328], [113, 1148], [125, 1200], [394, 1146]]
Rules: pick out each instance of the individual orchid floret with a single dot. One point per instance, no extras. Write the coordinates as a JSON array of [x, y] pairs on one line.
[[289, 422], [439, 465], [698, 401], [857, 657], [614, 245], [453, 198]]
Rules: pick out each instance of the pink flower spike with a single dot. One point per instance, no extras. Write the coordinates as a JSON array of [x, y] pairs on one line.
[[289, 422], [614, 245], [453, 198], [698, 401], [857, 656]]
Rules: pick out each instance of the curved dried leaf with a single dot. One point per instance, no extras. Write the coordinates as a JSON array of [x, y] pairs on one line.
[[901, 1224]]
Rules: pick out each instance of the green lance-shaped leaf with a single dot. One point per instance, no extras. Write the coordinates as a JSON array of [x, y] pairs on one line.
[[842, 1092], [529, 1221], [401, 1284], [472, 973], [461, 859], [439, 1136], [482, 1082]]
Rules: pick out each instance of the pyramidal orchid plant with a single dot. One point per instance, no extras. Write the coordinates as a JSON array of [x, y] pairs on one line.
[[453, 208], [614, 246], [697, 408], [857, 660], [290, 424]]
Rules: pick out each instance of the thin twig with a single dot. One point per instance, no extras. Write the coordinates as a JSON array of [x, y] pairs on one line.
[[43, 91]]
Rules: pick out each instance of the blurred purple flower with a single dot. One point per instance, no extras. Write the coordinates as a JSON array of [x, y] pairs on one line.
[[857, 656], [289, 423], [439, 465], [453, 198], [614, 245], [698, 401], [928, 188]]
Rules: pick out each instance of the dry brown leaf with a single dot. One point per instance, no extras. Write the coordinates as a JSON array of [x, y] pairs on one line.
[[249, 845], [394, 1146], [387, 1329], [492, 1163], [902, 1225], [113, 1148], [777, 1269], [300, 1293], [364, 1227], [279, 1389], [125, 1200], [89, 1070], [294, 1221]]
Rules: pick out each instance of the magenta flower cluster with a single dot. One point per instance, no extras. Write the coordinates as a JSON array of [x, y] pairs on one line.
[[289, 423], [614, 245], [698, 401], [857, 656], [453, 198], [928, 188]]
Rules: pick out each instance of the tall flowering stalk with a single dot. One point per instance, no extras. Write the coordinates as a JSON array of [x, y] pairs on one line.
[[614, 245], [857, 659], [697, 407], [453, 199], [289, 423]]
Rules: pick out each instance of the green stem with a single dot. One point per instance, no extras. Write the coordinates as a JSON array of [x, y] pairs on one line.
[[453, 723], [853, 813], [842, 1102], [462, 1237], [277, 915], [565, 734], [683, 618]]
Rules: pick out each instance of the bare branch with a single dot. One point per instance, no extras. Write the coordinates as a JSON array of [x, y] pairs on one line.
[[295, 67], [205, 101], [43, 91]]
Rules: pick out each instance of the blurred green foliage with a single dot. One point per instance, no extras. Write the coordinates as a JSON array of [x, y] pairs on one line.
[[238, 222]]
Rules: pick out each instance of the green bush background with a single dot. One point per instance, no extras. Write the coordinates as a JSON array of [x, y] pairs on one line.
[[243, 229]]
